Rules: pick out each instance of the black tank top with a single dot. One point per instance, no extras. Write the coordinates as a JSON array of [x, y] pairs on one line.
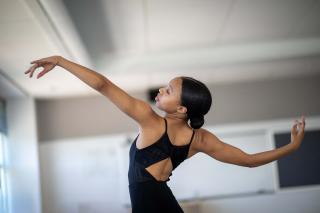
[[160, 150]]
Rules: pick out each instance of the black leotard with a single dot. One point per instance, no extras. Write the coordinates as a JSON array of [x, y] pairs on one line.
[[148, 194]]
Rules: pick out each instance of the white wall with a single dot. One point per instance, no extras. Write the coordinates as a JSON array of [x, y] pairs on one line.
[[23, 162], [232, 103], [87, 175], [81, 175]]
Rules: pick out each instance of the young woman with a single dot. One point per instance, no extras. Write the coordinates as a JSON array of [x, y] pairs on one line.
[[164, 142]]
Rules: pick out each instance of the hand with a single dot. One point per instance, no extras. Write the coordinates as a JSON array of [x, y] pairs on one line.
[[297, 132], [47, 64]]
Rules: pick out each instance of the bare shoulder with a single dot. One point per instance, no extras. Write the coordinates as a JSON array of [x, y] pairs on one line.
[[205, 140], [150, 130], [151, 120]]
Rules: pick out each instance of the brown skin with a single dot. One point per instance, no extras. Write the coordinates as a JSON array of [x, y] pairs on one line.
[[152, 126]]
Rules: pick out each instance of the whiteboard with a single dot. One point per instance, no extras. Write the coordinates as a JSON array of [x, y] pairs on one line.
[[81, 174]]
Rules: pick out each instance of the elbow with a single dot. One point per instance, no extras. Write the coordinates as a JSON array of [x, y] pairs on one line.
[[100, 85], [250, 162], [251, 166]]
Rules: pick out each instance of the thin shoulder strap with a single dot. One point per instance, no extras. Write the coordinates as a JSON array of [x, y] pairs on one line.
[[192, 136], [165, 121]]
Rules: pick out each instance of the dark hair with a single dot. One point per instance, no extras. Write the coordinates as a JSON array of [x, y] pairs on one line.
[[196, 97]]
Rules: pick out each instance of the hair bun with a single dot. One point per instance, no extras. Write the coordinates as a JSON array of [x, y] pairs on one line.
[[196, 121]]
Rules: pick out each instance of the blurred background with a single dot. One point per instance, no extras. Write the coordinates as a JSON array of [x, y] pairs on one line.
[[64, 147]]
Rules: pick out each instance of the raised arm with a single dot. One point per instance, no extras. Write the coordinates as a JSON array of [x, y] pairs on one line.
[[137, 109], [214, 147]]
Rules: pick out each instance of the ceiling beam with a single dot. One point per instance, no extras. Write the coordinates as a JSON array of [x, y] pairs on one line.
[[220, 55]]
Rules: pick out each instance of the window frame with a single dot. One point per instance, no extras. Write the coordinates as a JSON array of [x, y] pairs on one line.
[[3, 174]]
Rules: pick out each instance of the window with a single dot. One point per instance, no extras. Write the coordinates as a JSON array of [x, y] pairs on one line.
[[3, 170], [3, 190]]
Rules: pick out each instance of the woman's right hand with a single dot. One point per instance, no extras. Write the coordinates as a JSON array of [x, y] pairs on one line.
[[47, 64]]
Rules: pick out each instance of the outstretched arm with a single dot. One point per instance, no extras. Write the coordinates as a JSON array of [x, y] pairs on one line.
[[212, 146], [217, 149], [137, 109]]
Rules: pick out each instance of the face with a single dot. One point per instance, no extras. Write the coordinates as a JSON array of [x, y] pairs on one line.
[[168, 98]]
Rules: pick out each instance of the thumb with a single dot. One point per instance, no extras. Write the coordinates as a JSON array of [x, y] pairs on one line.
[[41, 74]]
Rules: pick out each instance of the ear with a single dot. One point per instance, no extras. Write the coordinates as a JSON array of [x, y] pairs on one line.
[[182, 109]]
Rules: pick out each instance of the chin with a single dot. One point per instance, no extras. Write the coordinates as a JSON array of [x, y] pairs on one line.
[[158, 105]]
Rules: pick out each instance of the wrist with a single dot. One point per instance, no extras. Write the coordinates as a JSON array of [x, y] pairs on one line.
[[293, 146], [59, 60]]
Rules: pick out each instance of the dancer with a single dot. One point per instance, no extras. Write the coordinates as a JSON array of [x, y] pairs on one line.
[[164, 142]]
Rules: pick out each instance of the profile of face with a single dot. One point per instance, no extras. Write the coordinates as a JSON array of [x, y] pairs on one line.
[[169, 97]]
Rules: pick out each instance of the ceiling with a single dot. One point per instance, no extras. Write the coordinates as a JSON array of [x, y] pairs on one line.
[[140, 44]]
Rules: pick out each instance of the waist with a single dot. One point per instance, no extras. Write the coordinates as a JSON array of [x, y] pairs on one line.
[[151, 182]]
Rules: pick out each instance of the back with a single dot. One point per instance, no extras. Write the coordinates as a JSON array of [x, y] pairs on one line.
[[156, 160]]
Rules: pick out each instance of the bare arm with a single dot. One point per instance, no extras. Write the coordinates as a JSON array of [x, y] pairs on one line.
[[214, 147], [137, 109], [217, 149], [88, 76]]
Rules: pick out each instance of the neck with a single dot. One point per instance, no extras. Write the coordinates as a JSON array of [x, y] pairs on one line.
[[177, 118]]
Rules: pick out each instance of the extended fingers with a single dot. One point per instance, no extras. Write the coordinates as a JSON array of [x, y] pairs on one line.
[[31, 70], [301, 124], [26, 72], [298, 127], [303, 120], [294, 129]]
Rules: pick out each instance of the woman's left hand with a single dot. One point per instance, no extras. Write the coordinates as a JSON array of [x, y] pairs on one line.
[[297, 133]]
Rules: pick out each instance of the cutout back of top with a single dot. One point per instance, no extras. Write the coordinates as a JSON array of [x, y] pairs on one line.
[[162, 149]]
